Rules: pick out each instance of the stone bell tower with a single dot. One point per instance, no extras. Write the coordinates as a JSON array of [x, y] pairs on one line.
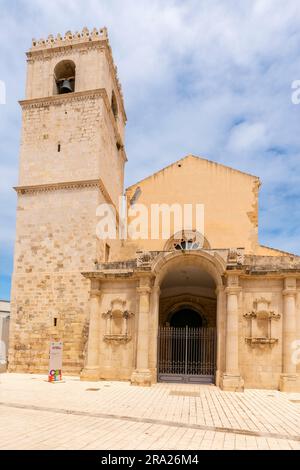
[[72, 159]]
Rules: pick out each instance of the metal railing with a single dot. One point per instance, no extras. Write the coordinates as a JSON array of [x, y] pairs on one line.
[[186, 354]]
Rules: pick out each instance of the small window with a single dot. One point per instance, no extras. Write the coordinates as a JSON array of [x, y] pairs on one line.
[[59, 148], [107, 252], [55, 322], [114, 105]]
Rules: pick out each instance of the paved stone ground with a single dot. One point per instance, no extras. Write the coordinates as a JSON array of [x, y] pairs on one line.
[[114, 415]]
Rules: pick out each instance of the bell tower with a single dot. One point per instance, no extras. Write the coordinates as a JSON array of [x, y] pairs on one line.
[[72, 158], [73, 115]]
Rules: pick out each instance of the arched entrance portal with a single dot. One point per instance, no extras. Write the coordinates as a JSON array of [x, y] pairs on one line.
[[187, 333], [186, 316]]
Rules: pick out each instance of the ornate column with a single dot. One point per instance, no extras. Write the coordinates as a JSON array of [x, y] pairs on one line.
[[221, 325], [288, 378], [142, 374], [153, 328], [231, 379], [91, 369]]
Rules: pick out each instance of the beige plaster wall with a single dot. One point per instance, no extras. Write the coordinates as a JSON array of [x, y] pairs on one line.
[[229, 196]]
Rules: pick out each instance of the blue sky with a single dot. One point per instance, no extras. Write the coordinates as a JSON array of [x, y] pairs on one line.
[[209, 77]]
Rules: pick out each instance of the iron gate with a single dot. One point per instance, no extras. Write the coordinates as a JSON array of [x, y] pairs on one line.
[[186, 354]]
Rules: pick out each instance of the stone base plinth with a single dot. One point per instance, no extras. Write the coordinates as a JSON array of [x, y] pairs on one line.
[[90, 374], [289, 383], [231, 383], [142, 378]]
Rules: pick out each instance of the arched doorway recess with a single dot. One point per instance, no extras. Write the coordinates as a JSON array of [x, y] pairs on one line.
[[187, 343]]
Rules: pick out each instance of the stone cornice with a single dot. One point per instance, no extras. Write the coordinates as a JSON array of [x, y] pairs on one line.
[[70, 185], [58, 186], [97, 183], [61, 50], [64, 98]]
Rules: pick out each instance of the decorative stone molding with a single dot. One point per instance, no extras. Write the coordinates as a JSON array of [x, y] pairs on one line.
[[70, 39], [118, 328], [95, 293], [145, 284], [289, 292], [235, 256], [145, 258], [260, 323], [232, 280], [117, 338], [280, 266], [144, 290], [57, 186], [61, 99], [233, 290]]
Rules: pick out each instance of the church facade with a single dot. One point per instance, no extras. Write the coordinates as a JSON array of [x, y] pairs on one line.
[[204, 305]]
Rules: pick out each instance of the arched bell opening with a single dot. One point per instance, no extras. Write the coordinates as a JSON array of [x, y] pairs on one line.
[[64, 77]]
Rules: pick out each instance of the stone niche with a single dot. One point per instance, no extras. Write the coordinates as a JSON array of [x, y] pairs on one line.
[[260, 322], [118, 322]]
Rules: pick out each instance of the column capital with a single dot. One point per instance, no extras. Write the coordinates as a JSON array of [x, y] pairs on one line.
[[95, 293], [143, 290], [233, 278], [145, 285], [290, 282], [230, 290], [95, 287], [289, 292]]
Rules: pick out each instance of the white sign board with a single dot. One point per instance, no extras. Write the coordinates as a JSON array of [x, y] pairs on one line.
[[55, 362]]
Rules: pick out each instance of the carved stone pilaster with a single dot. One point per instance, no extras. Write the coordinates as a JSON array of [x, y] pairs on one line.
[[142, 375], [231, 379], [289, 380]]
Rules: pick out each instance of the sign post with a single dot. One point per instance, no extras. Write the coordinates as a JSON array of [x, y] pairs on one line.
[[55, 362]]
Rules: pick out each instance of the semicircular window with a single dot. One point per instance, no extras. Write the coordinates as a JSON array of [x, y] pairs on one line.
[[187, 245], [187, 240]]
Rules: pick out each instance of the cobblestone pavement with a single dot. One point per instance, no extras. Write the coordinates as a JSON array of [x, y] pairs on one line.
[[114, 415]]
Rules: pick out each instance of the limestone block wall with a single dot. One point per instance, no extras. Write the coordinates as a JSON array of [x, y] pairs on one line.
[[117, 357], [260, 364], [56, 241], [87, 147]]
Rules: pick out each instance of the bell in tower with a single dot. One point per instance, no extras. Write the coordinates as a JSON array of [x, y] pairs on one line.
[[65, 86], [64, 75]]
